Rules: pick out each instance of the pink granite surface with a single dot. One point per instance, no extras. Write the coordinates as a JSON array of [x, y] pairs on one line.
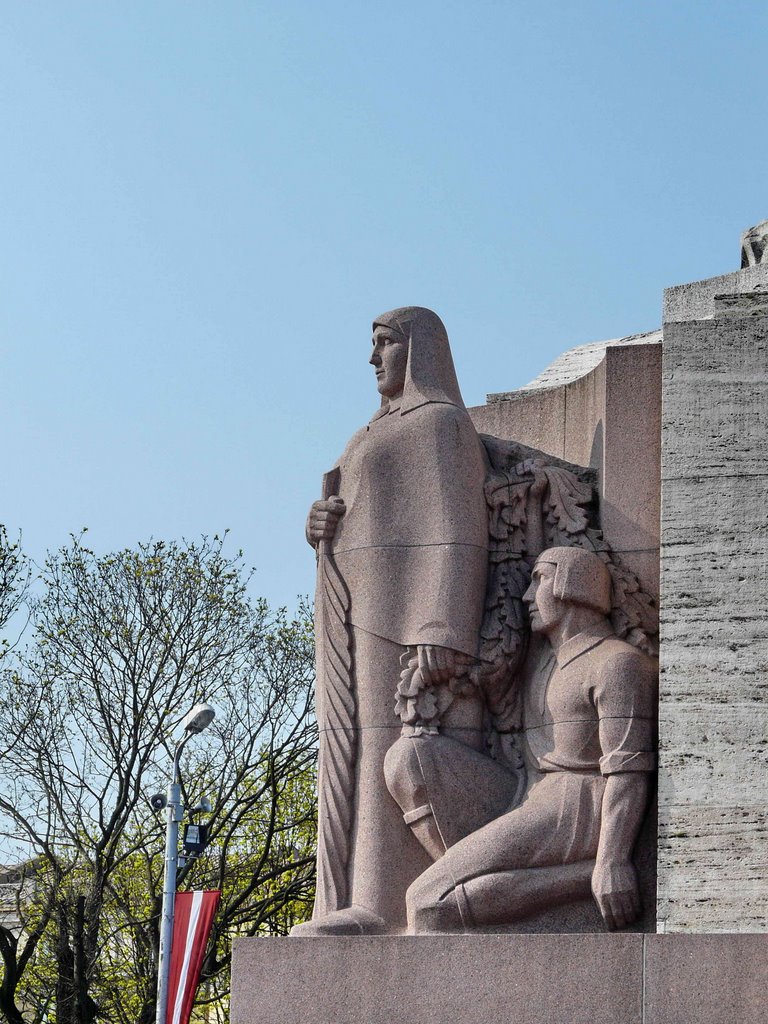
[[502, 979], [496, 979]]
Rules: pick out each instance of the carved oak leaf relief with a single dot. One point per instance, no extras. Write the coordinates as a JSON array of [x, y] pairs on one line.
[[534, 502]]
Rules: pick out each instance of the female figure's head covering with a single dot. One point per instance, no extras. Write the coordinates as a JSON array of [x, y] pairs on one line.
[[429, 375]]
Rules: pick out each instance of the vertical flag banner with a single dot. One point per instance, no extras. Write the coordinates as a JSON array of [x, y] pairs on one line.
[[193, 917]]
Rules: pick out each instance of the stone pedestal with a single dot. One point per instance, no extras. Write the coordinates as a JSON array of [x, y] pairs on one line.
[[498, 979]]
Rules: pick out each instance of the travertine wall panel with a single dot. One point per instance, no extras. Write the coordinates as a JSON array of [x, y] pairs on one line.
[[708, 771], [710, 876], [713, 719]]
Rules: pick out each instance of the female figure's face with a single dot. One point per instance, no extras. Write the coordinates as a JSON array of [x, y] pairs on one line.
[[389, 358]]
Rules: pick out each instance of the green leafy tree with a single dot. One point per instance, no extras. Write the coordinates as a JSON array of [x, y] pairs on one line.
[[123, 645], [14, 954]]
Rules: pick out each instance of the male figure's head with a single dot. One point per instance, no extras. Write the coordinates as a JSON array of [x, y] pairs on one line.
[[570, 590]]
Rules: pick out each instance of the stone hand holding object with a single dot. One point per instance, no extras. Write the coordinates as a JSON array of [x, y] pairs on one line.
[[438, 664], [617, 893], [323, 519]]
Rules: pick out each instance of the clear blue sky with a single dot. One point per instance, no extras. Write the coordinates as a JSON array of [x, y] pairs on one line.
[[204, 205]]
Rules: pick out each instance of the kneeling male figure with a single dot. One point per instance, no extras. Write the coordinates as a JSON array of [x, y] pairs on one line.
[[588, 724]]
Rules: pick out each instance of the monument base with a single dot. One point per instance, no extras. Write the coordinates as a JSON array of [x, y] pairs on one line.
[[535, 979]]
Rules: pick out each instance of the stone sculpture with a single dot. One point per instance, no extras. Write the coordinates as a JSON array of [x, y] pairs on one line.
[[754, 245], [403, 558], [426, 535], [690, 427], [588, 725]]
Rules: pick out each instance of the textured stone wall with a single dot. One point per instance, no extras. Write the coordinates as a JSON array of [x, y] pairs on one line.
[[713, 723]]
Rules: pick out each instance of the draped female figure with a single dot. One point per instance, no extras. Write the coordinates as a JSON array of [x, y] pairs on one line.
[[402, 540]]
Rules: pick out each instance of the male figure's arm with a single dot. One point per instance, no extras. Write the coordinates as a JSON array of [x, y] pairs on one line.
[[614, 880], [624, 698]]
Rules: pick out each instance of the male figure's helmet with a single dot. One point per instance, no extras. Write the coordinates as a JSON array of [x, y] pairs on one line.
[[581, 577]]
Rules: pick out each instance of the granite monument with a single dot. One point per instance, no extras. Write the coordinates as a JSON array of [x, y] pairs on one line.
[[427, 534], [488, 586]]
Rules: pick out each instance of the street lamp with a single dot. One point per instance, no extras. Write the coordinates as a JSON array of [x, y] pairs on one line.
[[198, 719]]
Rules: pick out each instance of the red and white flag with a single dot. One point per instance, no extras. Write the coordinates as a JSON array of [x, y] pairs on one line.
[[192, 920]]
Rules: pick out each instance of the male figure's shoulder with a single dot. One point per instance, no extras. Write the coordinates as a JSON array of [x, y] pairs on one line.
[[622, 674], [614, 651]]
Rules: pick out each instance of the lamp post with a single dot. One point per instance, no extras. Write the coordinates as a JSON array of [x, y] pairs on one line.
[[198, 719]]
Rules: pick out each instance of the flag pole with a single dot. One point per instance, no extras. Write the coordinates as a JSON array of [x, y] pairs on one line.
[[199, 718], [175, 812]]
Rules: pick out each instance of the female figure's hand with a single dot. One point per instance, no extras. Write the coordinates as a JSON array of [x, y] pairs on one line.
[[438, 664], [323, 519]]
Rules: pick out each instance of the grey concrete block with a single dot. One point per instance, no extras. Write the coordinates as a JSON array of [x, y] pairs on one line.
[[696, 301]]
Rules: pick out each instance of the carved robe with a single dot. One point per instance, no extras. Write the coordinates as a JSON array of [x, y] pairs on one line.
[[407, 566], [413, 545]]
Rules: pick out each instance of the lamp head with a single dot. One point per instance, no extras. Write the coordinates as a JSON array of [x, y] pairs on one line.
[[199, 718]]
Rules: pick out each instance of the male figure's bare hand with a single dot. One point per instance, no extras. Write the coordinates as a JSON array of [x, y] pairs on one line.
[[323, 519], [438, 664], [616, 891]]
